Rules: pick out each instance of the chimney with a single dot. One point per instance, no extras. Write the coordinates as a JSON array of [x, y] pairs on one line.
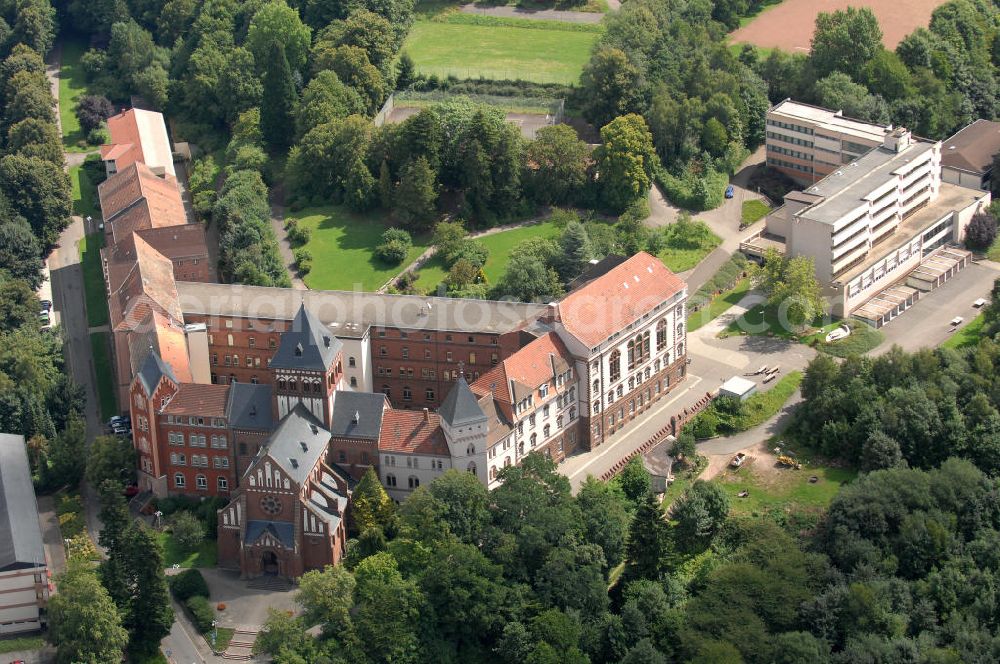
[[427, 415], [326, 341]]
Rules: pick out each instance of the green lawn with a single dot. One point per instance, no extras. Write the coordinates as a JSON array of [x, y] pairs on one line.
[[499, 244], [787, 489], [17, 643], [222, 638], [993, 253], [85, 203], [72, 86], [719, 305], [862, 339], [100, 350], [753, 210], [205, 556], [93, 279], [761, 320], [968, 335], [343, 244], [687, 245], [510, 50]]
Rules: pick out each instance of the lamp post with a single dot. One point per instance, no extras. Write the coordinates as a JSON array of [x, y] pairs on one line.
[[215, 633]]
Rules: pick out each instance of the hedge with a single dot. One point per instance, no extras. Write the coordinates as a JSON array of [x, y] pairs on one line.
[[189, 583], [201, 613]]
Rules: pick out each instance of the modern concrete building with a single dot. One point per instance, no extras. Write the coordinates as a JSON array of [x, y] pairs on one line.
[[871, 223], [24, 576], [967, 157], [807, 142]]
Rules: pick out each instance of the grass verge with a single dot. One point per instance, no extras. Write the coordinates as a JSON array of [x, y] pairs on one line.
[[205, 556], [500, 246], [718, 305], [762, 406], [72, 86], [470, 49], [787, 490], [222, 638], [863, 338], [85, 202], [93, 279], [968, 335], [753, 210], [19, 643], [100, 343], [343, 248], [687, 245], [763, 320]]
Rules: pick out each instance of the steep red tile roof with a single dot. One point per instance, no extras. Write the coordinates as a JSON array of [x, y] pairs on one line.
[[412, 432], [529, 368], [147, 284], [615, 300], [197, 399], [156, 332], [135, 198], [138, 136]]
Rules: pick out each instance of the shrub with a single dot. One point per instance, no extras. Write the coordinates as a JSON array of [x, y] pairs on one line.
[[187, 530], [201, 613], [303, 259], [92, 111], [298, 235], [705, 425], [396, 244], [98, 136], [981, 232], [189, 583]]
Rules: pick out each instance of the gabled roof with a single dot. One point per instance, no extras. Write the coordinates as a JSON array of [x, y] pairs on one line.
[[357, 415], [283, 531], [972, 147], [135, 198], [307, 344], [147, 284], [153, 369], [139, 135], [412, 432], [20, 534], [298, 443], [526, 370], [609, 304], [249, 407], [461, 405], [206, 400]]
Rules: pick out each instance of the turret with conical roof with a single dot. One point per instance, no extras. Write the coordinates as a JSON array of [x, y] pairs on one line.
[[465, 428]]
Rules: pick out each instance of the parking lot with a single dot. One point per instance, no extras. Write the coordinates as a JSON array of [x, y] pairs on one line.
[[927, 322]]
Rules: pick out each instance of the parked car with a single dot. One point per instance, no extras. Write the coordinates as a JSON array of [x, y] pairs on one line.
[[46, 305], [43, 318], [738, 460], [956, 321], [730, 191], [979, 303]]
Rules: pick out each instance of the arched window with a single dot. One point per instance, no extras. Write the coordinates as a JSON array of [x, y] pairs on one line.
[[597, 386], [661, 334], [413, 481], [350, 362], [471, 467], [615, 365], [470, 450], [680, 349], [201, 482], [179, 481], [572, 414], [520, 448], [223, 484], [534, 439], [559, 421], [545, 430], [632, 354], [506, 462], [386, 391], [493, 472]]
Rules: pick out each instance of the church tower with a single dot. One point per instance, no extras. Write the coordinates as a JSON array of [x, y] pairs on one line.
[[306, 368], [465, 428]]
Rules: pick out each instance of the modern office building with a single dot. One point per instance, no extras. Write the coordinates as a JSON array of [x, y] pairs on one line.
[[24, 575], [880, 229], [807, 142]]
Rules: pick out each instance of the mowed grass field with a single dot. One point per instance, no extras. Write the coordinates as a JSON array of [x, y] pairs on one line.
[[343, 249], [500, 52], [72, 86], [500, 245]]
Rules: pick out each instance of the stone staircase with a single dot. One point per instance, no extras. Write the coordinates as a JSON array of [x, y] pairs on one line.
[[273, 583], [240, 649]]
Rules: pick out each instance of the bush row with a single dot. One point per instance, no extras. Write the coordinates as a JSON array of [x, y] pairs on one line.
[[725, 278]]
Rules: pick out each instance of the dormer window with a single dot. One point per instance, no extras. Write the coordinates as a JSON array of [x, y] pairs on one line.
[[298, 350]]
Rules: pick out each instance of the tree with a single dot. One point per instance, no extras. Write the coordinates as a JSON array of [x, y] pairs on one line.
[[528, 279], [605, 518], [278, 100], [18, 305], [149, 614], [327, 596], [887, 75], [369, 31], [325, 99], [880, 452], [838, 91], [187, 530], [448, 238], [352, 66], [625, 161], [28, 97], [406, 71], [981, 231], [276, 22], [464, 503], [396, 244], [714, 137], [92, 110], [65, 452], [558, 165], [845, 41], [791, 287], [35, 25], [110, 458], [572, 577], [700, 513], [239, 87], [415, 199], [387, 608], [84, 623], [684, 446], [647, 540], [634, 480], [39, 191], [613, 86], [36, 138], [575, 251], [372, 505]]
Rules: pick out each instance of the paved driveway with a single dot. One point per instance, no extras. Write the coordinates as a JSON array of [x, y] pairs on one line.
[[245, 607]]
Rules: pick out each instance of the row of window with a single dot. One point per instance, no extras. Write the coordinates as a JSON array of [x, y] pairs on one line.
[[216, 422], [272, 343], [771, 161], [635, 381], [789, 139], [198, 460], [412, 481], [414, 462], [197, 440], [234, 360], [788, 152], [638, 351], [788, 125], [200, 482], [427, 337], [449, 356]]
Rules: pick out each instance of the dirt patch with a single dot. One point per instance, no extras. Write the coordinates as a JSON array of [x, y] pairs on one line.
[[760, 457], [790, 25]]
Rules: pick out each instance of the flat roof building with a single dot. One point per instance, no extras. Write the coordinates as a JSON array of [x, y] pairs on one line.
[[807, 143], [967, 157]]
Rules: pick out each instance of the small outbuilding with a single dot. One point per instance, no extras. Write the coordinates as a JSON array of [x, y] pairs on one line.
[[738, 387], [659, 464]]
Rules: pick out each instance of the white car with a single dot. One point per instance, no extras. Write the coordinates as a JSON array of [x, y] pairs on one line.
[[979, 303], [956, 321]]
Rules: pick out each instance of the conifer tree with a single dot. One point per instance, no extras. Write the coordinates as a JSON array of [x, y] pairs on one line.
[[278, 100], [575, 251], [647, 539]]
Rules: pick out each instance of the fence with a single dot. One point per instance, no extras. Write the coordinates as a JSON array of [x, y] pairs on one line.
[[386, 111]]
